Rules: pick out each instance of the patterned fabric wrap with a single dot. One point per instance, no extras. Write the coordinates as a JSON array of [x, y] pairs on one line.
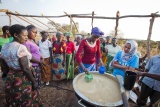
[[108, 68], [46, 70], [58, 71], [90, 67], [37, 74], [18, 91], [69, 67], [104, 58]]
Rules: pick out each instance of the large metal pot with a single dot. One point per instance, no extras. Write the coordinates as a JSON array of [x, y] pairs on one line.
[[86, 102]]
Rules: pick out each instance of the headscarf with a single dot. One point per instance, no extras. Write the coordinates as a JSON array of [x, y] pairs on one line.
[[67, 34], [79, 36], [97, 31], [127, 56], [59, 33]]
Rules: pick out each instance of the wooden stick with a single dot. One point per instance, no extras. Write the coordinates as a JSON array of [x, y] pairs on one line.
[[149, 35], [71, 19], [40, 22], [4, 10], [32, 22], [70, 24], [27, 21], [10, 19], [85, 16], [117, 20], [17, 20], [92, 19], [56, 25]]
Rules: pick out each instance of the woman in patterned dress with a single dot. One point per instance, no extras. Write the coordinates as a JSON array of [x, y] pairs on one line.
[[20, 85], [59, 58], [45, 47]]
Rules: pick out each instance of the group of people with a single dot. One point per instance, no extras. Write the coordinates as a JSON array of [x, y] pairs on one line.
[[26, 64]]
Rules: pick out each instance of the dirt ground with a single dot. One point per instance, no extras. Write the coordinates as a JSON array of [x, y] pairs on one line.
[[57, 94]]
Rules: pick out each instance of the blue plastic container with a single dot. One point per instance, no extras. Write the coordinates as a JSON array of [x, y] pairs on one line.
[[102, 69]]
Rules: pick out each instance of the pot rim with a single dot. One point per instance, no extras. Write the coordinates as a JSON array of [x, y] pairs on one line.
[[91, 101]]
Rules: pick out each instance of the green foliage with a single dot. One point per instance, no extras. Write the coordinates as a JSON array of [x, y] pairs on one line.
[[66, 27]]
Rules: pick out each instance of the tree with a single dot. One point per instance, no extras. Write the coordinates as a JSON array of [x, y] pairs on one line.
[[1, 31], [120, 34], [66, 27]]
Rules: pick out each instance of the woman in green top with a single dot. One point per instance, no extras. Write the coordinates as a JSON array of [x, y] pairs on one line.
[[5, 38]]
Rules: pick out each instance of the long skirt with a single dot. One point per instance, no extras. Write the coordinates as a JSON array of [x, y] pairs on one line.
[[69, 67], [36, 70], [46, 70], [18, 91], [108, 68], [104, 58], [58, 71], [90, 67]]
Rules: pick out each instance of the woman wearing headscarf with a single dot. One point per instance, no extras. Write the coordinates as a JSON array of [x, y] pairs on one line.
[[78, 41], [20, 85], [59, 58], [126, 59], [90, 48], [70, 50], [45, 47], [34, 50]]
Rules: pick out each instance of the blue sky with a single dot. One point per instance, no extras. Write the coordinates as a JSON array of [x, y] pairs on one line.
[[136, 28]]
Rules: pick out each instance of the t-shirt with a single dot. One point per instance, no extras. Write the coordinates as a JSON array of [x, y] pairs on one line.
[[70, 47], [4, 41], [153, 66], [44, 48], [90, 53], [34, 49], [133, 62], [59, 48], [11, 52], [112, 50]]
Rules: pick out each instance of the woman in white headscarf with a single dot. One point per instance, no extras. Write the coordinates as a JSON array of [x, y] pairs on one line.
[[126, 59], [78, 41]]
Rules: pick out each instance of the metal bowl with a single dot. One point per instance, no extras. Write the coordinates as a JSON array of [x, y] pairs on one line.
[[95, 103]]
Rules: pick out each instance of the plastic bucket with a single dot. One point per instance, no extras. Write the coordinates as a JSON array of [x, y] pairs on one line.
[[129, 80], [102, 69]]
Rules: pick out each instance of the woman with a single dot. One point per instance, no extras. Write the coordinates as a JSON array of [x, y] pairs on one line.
[[78, 41], [126, 59], [20, 86], [112, 50], [34, 50], [5, 38], [59, 58], [90, 47], [46, 53], [69, 56]]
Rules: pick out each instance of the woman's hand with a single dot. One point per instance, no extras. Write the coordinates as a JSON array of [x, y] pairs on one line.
[[71, 63], [41, 62], [139, 73], [34, 86], [63, 63], [86, 70]]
